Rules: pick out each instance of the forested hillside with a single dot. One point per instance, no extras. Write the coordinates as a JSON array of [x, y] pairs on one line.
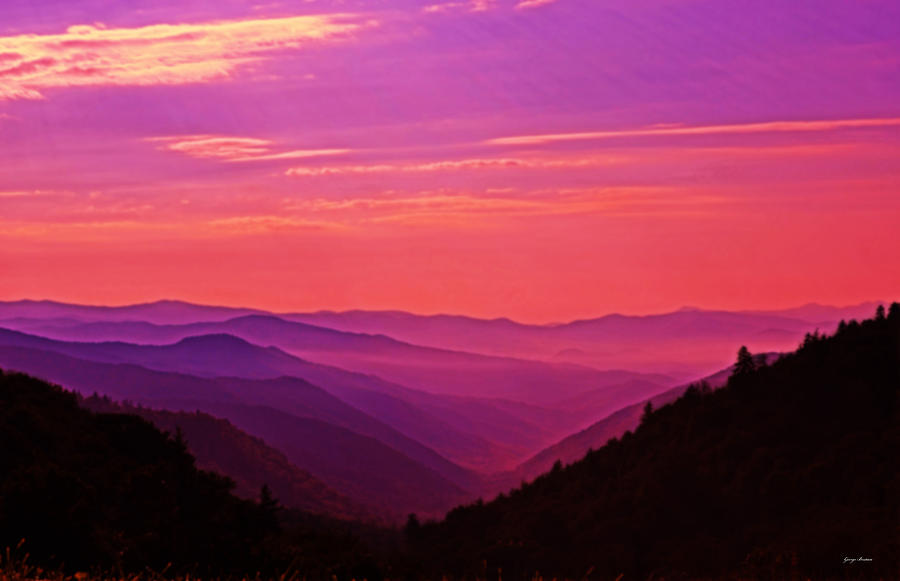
[[220, 447], [787, 470], [85, 491], [107, 490]]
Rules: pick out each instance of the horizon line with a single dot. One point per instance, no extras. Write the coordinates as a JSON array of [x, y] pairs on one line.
[[277, 313]]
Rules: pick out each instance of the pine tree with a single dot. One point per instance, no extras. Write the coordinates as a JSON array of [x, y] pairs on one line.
[[413, 527], [745, 363], [894, 311], [269, 507], [267, 500], [648, 411]]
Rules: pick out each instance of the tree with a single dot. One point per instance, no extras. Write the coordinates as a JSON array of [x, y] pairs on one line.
[[745, 363], [269, 507], [267, 500], [413, 527], [648, 411], [879, 313], [894, 311]]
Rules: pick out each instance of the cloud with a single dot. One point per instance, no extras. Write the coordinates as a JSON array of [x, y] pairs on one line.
[[19, 194], [262, 224], [448, 206], [454, 165], [533, 3], [236, 149], [468, 6], [162, 54], [675, 130]]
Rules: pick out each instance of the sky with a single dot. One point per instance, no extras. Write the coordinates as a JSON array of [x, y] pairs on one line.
[[543, 160]]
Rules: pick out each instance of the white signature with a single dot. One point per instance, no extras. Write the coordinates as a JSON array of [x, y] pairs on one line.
[[857, 560]]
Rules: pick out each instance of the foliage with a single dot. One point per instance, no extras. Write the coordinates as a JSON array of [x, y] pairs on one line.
[[785, 471], [110, 492]]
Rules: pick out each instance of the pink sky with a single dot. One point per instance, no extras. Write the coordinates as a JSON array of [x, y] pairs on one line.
[[537, 159]]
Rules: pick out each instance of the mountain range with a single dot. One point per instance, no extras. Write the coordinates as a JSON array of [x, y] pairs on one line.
[[788, 471], [687, 343], [776, 467], [452, 408]]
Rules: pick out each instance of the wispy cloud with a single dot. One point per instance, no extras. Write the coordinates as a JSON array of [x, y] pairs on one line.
[[261, 224], [675, 130], [236, 149], [455, 165], [19, 194], [455, 6], [163, 54], [444, 205], [523, 4]]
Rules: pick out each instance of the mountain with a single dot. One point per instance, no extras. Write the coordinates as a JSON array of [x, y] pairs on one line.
[[218, 446], [438, 371], [316, 431], [230, 359], [575, 446], [359, 467], [783, 473], [451, 426], [676, 342], [598, 399], [686, 343], [159, 312], [90, 490], [819, 312]]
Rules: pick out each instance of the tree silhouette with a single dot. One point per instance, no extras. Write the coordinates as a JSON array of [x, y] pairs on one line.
[[648, 411], [879, 313], [745, 364], [413, 527], [267, 500]]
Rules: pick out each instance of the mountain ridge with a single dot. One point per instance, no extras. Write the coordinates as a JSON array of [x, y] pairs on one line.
[[783, 473]]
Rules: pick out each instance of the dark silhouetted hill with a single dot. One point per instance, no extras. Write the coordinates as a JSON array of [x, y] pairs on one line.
[[229, 356], [220, 447], [110, 490], [487, 434], [781, 474], [317, 432], [575, 446]]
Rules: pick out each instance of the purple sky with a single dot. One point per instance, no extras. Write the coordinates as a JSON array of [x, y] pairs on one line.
[[338, 154]]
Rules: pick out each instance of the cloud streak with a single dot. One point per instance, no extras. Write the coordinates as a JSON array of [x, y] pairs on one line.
[[454, 165], [22, 194], [236, 149], [162, 54], [678, 130], [524, 4]]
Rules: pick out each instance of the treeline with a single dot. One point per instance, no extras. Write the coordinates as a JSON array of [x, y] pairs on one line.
[[218, 446], [786, 471], [110, 492]]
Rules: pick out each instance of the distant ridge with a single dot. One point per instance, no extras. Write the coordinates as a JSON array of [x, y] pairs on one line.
[[26, 308], [161, 312]]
